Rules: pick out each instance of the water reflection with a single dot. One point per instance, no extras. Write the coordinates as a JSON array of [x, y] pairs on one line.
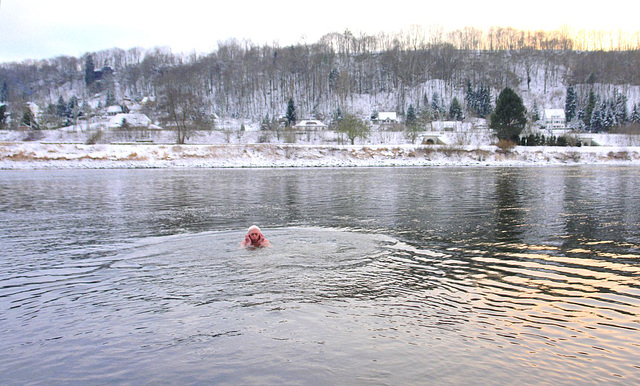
[[375, 276], [509, 211]]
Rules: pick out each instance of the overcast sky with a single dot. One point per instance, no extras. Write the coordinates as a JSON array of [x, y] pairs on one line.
[[40, 29]]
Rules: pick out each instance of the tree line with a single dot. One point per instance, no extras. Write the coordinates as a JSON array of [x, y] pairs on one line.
[[423, 70]]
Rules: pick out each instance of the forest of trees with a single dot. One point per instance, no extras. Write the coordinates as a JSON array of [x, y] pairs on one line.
[[439, 75]]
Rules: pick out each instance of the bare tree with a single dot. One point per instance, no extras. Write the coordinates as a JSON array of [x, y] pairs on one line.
[[184, 111]]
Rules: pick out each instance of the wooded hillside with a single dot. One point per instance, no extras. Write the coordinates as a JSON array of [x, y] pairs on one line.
[[341, 72]]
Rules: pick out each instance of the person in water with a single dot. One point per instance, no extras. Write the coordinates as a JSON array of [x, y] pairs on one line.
[[255, 238]]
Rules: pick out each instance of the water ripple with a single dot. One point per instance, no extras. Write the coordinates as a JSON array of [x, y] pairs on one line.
[[379, 276]]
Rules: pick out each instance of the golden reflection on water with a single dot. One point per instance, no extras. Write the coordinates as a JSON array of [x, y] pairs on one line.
[[576, 297], [578, 305]]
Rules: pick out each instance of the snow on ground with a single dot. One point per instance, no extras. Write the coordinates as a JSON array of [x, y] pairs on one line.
[[30, 155], [57, 149]]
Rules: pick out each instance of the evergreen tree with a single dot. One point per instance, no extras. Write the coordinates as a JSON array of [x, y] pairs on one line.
[[61, 108], [291, 113], [484, 101], [411, 116], [441, 111], [603, 117], [73, 110], [479, 100], [470, 97], [570, 104], [635, 115], [425, 111], [4, 93], [596, 123], [89, 71], [588, 110], [3, 116], [110, 99], [73, 104], [455, 110], [125, 125], [337, 116], [579, 122], [436, 107], [620, 108], [609, 119], [508, 119]]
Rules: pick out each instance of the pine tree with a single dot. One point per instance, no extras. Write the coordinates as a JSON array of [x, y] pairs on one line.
[[291, 113], [609, 118], [437, 109], [570, 104], [479, 100], [411, 116], [588, 110], [61, 108], [508, 119], [425, 111], [337, 116], [110, 99], [3, 116], [73, 110], [470, 97], [435, 105], [4, 93], [596, 123], [73, 104], [455, 110], [635, 115], [484, 101], [620, 109]]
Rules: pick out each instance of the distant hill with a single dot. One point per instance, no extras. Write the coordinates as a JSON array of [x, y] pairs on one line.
[[340, 73]]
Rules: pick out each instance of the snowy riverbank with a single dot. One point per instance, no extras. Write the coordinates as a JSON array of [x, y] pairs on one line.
[[35, 155]]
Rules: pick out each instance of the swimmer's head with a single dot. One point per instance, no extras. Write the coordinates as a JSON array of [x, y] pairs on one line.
[[254, 228], [255, 234]]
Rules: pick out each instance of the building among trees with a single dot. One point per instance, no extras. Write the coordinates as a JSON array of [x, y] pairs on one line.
[[309, 124], [386, 117], [554, 119]]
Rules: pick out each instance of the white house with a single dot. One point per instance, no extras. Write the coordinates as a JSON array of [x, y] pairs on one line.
[[310, 124], [554, 119], [387, 117], [114, 110], [134, 120]]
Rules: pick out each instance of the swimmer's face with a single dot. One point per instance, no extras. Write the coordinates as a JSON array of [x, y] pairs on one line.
[[254, 235]]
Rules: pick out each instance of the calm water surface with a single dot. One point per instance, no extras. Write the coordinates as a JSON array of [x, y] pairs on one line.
[[375, 276]]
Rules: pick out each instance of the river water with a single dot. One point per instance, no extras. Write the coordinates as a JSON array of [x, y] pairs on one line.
[[375, 276]]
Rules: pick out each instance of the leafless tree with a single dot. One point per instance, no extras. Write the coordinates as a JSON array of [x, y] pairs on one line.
[[183, 109]]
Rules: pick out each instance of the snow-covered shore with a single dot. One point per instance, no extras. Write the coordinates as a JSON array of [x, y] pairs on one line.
[[35, 155]]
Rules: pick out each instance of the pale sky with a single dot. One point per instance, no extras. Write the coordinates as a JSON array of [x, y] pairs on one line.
[[41, 29]]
